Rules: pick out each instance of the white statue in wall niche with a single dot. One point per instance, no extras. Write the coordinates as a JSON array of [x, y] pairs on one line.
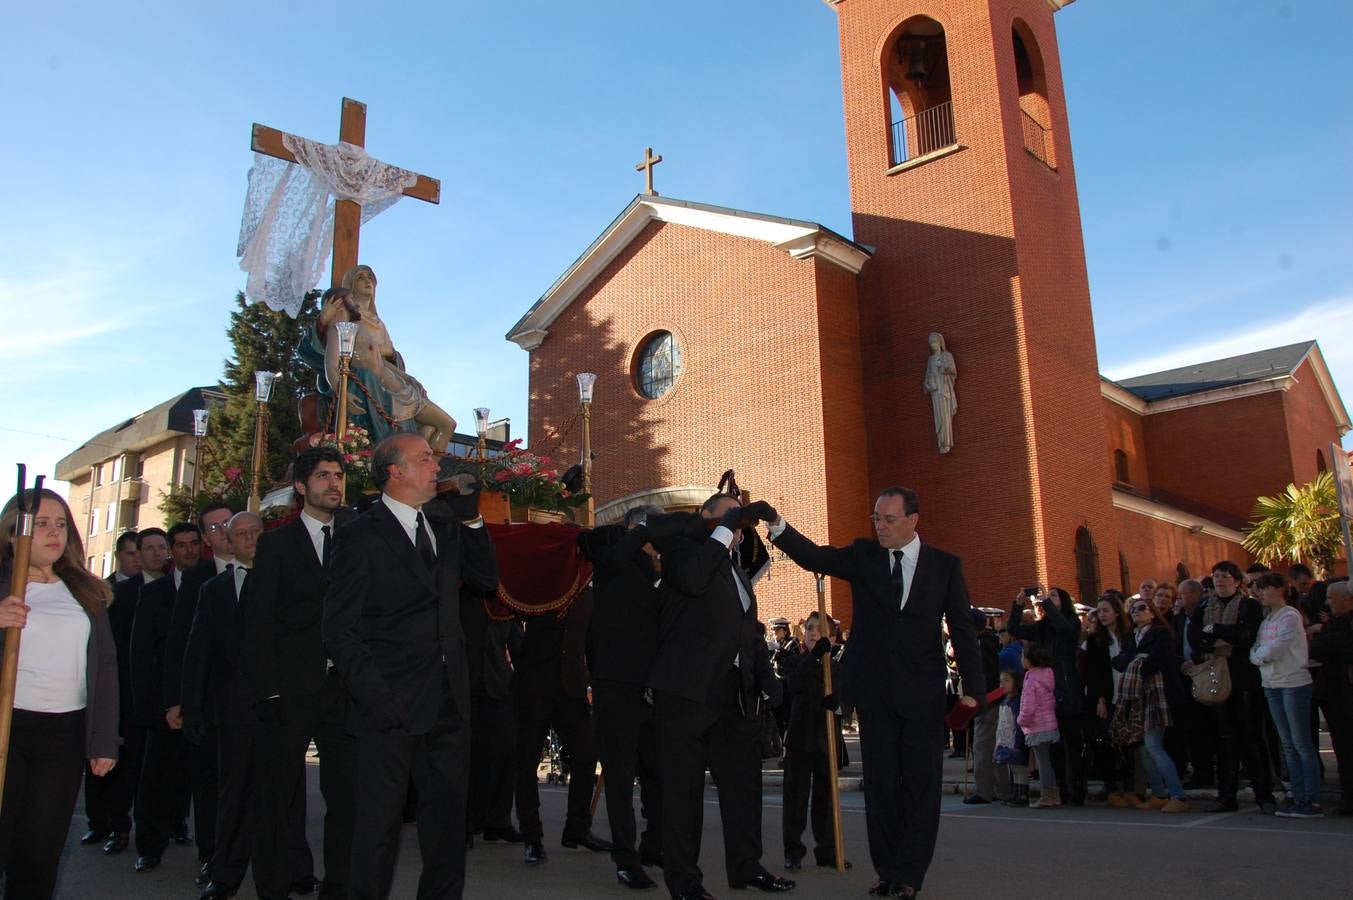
[[940, 375]]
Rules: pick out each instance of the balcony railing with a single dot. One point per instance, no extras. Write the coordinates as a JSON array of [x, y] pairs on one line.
[[925, 132], [1037, 138]]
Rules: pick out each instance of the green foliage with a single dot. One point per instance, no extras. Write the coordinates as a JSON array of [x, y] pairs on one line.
[[1300, 524]]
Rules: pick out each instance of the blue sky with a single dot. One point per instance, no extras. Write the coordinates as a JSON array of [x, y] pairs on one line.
[[1211, 141]]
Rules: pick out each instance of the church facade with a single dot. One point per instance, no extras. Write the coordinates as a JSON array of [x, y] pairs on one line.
[[725, 339]]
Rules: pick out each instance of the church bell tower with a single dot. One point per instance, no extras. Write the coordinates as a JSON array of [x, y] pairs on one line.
[[962, 181]]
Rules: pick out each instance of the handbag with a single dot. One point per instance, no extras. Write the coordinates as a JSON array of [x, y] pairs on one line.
[[1211, 682], [1128, 726]]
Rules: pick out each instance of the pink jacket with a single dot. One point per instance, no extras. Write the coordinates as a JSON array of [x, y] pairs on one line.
[[1038, 703]]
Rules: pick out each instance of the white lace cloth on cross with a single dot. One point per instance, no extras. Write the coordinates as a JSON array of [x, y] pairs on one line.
[[287, 230]]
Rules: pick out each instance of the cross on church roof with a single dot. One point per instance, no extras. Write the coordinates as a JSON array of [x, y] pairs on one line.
[[647, 168]]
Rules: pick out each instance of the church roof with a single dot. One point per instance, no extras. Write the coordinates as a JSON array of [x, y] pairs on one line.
[[173, 416], [799, 238], [1247, 368]]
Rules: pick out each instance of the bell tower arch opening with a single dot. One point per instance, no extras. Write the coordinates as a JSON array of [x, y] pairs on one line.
[[915, 66], [1035, 111]]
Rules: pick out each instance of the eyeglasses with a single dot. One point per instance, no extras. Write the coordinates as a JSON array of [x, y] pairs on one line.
[[219, 526], [1137, 607], [891, 520]]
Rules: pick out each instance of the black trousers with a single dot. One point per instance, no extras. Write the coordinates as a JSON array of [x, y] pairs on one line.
[[108, 799], [337, 784], [540, 708], [279, 798], [627, 741], [903, 761], [438, 765], [237, 752], [808, 776], [160, 791], [1339, 718], [1199, 726], [46, 759], [493, 748], [715, 735], [1068, 756], [202, 779], [1242, 722]]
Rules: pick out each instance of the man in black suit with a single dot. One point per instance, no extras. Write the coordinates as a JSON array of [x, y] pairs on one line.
[[199, 755], [492, 646], [392, 627], [894, 672], [622, 639], [217, 704], [296, 696], [99, 792], [703, 681], [111, 799], [162, 795]]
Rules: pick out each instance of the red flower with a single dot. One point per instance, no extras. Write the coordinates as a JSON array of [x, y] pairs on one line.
[[232, 473], [502, 475]]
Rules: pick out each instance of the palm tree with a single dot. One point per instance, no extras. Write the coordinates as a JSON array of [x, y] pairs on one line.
[[1302, 523]]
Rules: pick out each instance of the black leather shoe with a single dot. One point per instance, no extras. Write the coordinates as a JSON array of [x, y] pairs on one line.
[[508, 835], [975, 800], [881, 888], [216, 891], [634, 877], [650, 858], [589, 841], [771, 884], [203, 875], [307, 885], [93, 837], [535, 853], [116, 843], [146, 863], [1222, 806], [903, 890], [469, 840], [793, 862]]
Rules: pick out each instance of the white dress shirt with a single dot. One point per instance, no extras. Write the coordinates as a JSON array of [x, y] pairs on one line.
[[240, 571], [178, 578], [314, 527], [221, 562], [407, 516], [910, 553]]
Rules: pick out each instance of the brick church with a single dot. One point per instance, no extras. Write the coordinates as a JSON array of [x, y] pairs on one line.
[[724, 338]]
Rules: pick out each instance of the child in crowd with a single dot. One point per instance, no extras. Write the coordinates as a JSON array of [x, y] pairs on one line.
[[1038, 719], [1012, 756]]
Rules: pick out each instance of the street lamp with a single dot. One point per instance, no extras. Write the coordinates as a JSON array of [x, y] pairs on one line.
[[199, 432], [347, 342], [586, 382], [263, 382], [481, 427]]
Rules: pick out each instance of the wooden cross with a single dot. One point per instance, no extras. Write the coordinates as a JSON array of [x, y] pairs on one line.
[[647, 168], [347, 213]]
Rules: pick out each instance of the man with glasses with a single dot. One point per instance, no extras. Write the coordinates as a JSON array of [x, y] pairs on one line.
[[894, 672]]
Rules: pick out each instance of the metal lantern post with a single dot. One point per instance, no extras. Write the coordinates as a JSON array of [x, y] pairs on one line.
[[481, 427], [586, 382], [347, 342], [263, 382], [199, 433]]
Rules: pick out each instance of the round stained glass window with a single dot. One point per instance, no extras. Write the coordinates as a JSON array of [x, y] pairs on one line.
[[658, 365]]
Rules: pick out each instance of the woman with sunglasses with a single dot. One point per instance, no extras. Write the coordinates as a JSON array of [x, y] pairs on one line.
[[1163, 688], [1113, 637]]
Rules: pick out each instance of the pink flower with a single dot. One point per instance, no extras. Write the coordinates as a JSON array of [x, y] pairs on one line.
[[232, 473], [563, 492], [522, 468], [347, 458], [502, 475], [542, 459]]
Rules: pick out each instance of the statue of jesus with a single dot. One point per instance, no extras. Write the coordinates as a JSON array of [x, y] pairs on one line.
[[940, 374], [388, 396]]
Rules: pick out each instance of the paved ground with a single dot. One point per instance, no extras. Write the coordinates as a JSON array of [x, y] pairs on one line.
[[983, 851]]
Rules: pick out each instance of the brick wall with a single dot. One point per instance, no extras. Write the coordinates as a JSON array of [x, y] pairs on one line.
[[1126, 432], [1309, 424], [1153, 548]]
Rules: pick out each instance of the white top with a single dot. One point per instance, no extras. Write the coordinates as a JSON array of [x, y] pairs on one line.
[[54, 653], [910, 554], [315, 528], [1280, 651], [407, 516]]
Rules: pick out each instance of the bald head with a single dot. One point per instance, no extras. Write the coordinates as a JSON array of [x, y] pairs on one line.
[[1190, 594], [242, 531], [1340, 597]]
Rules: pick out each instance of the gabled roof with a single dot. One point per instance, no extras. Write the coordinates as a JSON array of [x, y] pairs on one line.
[[1247, 368], [173, 416], [1227, 379], [796, 237]]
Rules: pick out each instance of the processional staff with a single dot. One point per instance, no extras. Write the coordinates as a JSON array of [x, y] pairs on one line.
[[18, 587]]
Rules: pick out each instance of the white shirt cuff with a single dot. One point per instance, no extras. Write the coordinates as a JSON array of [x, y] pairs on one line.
[[777, 528], [477, 522], [722, 535]]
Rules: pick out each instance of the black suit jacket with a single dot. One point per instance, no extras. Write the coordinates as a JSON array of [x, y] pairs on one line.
[[121, 616], [180, 623], [215, 688], [392, 625], [489, 645], [150, 630], [702, 626], [283, 646], [624, 630], [895, 658]]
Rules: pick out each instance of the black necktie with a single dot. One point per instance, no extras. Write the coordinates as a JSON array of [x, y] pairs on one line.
[[423, 543], [324, 552], [899, 581]]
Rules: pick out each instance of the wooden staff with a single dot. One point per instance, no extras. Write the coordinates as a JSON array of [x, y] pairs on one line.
[[824, 628], [596, 791], [18, 587]]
